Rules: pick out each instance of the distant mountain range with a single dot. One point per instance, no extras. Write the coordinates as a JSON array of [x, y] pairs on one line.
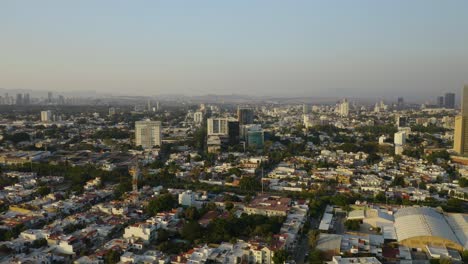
[[208, 98]]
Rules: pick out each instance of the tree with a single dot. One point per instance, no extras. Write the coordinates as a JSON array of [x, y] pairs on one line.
[[380, 197], [398, 181], [229, 206], [163, 202], [280, 256], [413, 152], [316, 257], [463, 182], [453, 205], [249, 184], [163, 235], [18, 137], [38, 243], [373, 158], [191, 231], [445, 261], [312, 236], [434, 156], [112, 257], [43, 190], [191, 213], [465, 255], [353, 225], [340, 200], [122, 188]]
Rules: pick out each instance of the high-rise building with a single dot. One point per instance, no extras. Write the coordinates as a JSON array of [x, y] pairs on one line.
[[233, 131], [400, 101], [305, 109], [46, 116], [148, 133], [308, 121], [400, 138], [19, 99], [198, 117], [440, 101], [449, 100], [245, 115], [255, 136], [344, 108], [61, 100], [148, 106], [49, 97], [218, 126], [158, 106], [401, 121], [460, 142], [26, 99]]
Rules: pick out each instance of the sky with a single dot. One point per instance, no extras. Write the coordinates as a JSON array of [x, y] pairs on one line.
[[329, 48]]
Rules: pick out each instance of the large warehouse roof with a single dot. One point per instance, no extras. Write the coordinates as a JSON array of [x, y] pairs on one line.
[[459, 224], [422, 221]]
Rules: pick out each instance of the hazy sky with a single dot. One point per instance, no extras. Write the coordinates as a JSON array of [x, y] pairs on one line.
[[285, 47]]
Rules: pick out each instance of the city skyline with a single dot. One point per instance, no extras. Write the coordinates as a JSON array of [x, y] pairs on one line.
[[268, 48]]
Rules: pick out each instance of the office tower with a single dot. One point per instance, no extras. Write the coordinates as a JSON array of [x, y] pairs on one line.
[[148, 133], [305, 109], [308, 121], [217, 127], [344, 108], [400, 138], [400, 101], [19, 99], [380, 107], [148, 106], [49, 97], [61, 100], [450, 100], [46, 116], [198, 117], [255, 136], [245, 115], [26, 99], [460, 142], [402, 121], [440, 101], [233, 131]]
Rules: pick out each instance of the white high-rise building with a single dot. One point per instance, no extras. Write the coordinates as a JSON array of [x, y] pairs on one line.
[[305, 109], [46, 116], [148, 133], [400, 138], [308, 121], [344, 108], [187, 198], [198, 117], [218, 126], [380, 107]]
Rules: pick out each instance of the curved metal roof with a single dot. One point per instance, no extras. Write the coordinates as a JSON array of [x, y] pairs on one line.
[[422, 221]]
